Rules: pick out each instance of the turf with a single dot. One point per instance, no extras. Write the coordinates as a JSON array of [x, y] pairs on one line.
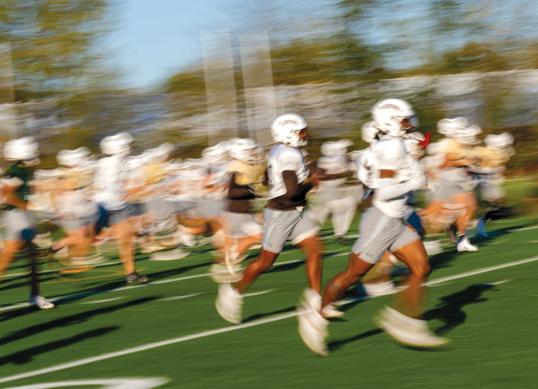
[[489, 318]]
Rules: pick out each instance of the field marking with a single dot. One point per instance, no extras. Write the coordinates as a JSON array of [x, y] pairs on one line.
[[104, 383], [481, 271], [104, 264], [523, 229], [204, 334], [103, 300], [185, 296], [258, 293], [145, 347], [177, 279]]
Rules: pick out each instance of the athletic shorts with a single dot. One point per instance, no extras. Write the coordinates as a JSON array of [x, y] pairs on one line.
[[206, 209], [238, 225], [280, 226], [18, 225], [109, 217], [380, 233], [75, 224]]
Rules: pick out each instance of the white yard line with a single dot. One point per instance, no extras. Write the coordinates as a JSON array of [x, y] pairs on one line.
[[103, 300], [258, 293], [522, 229], [204, 334], [185, 296]]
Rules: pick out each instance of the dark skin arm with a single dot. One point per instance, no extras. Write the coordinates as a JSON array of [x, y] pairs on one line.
[[11, 197]]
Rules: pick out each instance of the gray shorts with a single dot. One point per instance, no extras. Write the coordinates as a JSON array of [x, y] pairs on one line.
[[120, 215], [15, 221], [239, 225], [280, 226], [206, 208], [75, 224], [380, 233]]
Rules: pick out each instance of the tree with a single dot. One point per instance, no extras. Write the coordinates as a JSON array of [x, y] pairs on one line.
[[51, 42]]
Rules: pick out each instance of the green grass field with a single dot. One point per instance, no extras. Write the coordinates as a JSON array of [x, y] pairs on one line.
[[485, 303]]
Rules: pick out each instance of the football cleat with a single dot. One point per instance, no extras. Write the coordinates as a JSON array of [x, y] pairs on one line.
[[313, 328], [135, 278], [229, 303], [41, 302], [330, 312], [376, 289], [464, 246], [408, 331]]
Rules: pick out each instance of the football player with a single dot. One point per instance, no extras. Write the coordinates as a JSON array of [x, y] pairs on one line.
[[285, 218], [383, 228], [16, 217]]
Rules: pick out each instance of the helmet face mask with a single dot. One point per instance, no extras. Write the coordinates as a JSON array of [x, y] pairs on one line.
[[290, 129]]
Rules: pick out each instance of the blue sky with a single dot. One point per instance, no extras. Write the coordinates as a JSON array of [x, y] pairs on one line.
[[152, 39]]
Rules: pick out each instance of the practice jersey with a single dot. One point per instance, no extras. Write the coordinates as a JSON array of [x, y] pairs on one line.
[[391, 194], [283, 158], [491, 159], [110, 182]]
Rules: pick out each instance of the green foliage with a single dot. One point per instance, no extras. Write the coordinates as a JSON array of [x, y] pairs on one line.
[[51, 41]]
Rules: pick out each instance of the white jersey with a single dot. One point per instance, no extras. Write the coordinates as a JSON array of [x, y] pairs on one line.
[[391, 194], [110, 182], [333, 165], [282, 158]]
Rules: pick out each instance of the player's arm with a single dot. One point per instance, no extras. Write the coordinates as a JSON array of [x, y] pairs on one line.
[[10, 193], [238, 192]]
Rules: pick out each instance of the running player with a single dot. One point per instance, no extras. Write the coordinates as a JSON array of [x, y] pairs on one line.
[[16, 217], [284, 215], [393, 175]]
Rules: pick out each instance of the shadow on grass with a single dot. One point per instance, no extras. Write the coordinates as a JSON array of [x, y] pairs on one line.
[[27, 355], [267, 314], [443, 259], [76, 318], [450, 309]]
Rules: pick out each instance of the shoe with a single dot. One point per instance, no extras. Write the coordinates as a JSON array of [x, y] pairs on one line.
[[376, 289], [313, 328], [330, 312], [481, 228], [408, 331], [229, 303], [41, 302], [465, 246], [136, 279], [220, 273]]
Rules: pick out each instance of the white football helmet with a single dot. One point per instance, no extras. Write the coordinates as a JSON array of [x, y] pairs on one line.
[[450, 127], [286, 129], [394, 117], [467, 135], [369, 132], [73, 158], [500, 141], [161, 153], [215, 154], [335, 148], [22, 149], [245, 150], [119, 144]]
